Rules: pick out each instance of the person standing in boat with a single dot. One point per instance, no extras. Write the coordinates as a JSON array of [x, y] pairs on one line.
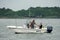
[[40, 26], [32, 24]]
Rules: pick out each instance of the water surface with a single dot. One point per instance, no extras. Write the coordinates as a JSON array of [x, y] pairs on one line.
[[7, 34]]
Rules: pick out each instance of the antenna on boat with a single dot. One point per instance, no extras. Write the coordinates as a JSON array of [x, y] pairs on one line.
[[28, 16], [29, 12]]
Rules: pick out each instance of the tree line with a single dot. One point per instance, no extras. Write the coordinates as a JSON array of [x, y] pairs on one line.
[[33, 12]]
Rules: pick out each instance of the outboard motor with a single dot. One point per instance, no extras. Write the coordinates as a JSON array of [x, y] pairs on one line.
[[49, 29]]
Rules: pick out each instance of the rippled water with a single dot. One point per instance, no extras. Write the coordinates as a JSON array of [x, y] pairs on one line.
[[7, 34]]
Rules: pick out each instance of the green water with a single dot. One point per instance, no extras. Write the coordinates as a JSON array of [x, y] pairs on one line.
[[7, 34]]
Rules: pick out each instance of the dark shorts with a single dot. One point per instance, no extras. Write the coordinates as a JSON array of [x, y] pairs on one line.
[[32, 26]]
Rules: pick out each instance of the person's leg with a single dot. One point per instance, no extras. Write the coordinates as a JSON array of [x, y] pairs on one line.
[[32, 26]]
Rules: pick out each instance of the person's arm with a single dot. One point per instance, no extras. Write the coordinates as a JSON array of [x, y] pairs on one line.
[[37, 24]]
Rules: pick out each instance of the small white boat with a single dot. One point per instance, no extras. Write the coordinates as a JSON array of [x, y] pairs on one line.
[[24, 29]]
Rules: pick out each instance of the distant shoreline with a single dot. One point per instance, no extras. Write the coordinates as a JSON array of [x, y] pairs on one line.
[[37, 12], [29, 18]]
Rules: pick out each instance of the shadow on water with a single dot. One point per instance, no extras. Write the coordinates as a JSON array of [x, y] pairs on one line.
[[28, 33]]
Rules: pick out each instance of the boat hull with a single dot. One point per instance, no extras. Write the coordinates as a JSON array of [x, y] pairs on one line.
[[23, 30]]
